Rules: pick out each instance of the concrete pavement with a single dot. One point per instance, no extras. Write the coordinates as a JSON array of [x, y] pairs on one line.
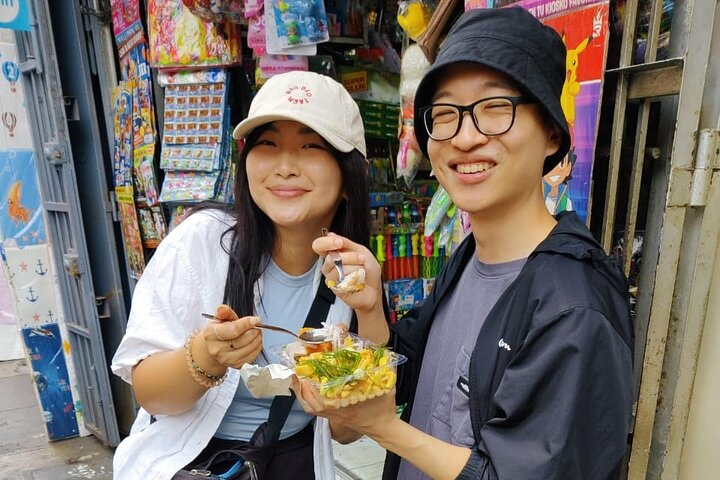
[[26, 454]]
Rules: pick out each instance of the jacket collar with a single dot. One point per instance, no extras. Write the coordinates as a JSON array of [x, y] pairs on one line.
[[571, 237]]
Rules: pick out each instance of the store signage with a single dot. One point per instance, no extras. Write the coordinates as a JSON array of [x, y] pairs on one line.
[[14, 15], [355, 82]]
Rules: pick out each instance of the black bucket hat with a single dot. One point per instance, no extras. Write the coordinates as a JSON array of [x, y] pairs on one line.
[[516, 44]]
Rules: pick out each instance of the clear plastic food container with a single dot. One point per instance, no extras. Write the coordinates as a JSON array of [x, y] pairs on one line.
[[357, 370]]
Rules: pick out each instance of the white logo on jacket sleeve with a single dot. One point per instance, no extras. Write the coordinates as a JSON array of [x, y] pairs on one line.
[[502, 344]]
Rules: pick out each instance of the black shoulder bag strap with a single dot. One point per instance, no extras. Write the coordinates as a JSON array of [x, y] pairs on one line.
[[282, 404]]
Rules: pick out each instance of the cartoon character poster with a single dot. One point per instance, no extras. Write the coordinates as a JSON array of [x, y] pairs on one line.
[[127, 27], [21, 220], [50, 375], [135, 67], [123, 129], [583, 25], [145, 178], [130, 230]]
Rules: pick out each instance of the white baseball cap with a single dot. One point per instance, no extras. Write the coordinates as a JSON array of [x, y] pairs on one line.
[[316, 101]]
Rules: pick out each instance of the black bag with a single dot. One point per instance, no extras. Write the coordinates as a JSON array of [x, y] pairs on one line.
[[250, 460]]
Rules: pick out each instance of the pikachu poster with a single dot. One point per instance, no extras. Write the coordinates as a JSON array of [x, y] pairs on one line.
[[21, 220], [583, 26]]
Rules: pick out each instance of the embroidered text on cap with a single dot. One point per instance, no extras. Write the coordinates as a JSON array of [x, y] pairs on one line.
[[298, 95]]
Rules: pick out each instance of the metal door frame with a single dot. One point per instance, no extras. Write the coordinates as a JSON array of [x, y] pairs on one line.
[[58, 185], [681, 239]]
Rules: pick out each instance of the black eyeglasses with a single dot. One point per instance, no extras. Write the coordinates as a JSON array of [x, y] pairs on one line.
[[491, 116]]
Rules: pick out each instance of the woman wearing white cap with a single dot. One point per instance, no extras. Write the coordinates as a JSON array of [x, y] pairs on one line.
[[302, 169]]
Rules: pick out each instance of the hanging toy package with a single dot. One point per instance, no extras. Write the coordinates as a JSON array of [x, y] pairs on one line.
[[414, 65], [413, 17], [253, 8], [444, 219], [180, 39], [216, 11], [300, 22], [256, 34], [436, 212], [255, 16]]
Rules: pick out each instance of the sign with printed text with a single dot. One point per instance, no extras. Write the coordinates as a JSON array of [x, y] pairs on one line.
[[14, 15], [355, 82]]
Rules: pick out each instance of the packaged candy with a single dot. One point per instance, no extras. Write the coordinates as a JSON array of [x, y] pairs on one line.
[[190, 77]]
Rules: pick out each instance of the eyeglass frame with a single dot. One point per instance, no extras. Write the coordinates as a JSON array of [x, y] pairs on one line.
[[461, 109]]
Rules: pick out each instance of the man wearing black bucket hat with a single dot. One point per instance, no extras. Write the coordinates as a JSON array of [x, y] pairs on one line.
[[520, 360]]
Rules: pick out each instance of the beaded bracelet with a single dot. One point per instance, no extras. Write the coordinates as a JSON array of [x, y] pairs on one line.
[[196, 372]]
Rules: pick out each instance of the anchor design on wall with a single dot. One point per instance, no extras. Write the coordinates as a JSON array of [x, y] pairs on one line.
[[50, 315], [32, 297], [40, 270]]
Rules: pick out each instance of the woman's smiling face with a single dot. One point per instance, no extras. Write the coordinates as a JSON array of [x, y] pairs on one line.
[[294, 177]]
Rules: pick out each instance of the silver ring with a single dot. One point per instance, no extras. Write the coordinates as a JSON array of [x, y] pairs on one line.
[[217, 335]]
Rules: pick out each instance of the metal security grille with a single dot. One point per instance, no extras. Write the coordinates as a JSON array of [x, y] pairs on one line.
[[662, 178], [36, 54]]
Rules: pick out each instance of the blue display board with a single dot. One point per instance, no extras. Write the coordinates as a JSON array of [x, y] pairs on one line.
[[45, 349], [20, 203], [14, 15]]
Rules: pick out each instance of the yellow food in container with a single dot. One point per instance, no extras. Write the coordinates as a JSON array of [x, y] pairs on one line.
[[350, 375]]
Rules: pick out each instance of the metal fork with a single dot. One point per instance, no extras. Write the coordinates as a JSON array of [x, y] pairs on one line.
[[336, 260], [307, 337]]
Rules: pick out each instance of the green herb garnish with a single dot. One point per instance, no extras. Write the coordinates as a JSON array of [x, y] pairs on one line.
[[379, 353], [336, 364]]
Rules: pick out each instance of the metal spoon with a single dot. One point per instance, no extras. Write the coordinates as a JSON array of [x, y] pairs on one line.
[[307, 337], [337, 261]]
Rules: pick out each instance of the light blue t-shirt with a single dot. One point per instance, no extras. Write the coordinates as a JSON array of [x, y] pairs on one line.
[[285, 302]]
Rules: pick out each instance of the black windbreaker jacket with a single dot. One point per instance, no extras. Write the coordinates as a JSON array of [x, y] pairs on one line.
[[551, 379]]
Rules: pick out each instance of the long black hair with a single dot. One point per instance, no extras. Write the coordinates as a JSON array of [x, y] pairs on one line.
[[253, 235]]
